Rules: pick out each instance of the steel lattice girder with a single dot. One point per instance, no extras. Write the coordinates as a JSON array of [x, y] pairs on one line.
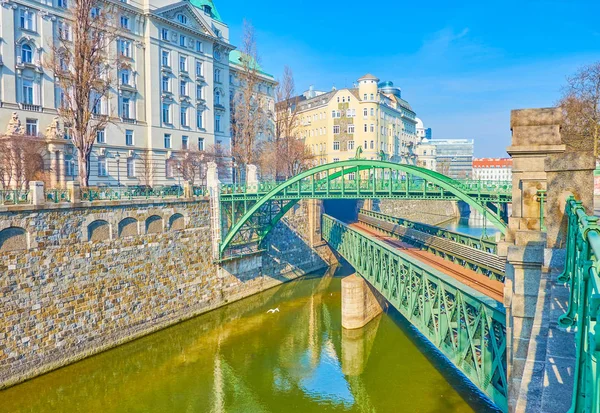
[[467, 326], [391, 186]]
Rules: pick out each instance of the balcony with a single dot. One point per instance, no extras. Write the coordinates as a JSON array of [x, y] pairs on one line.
[[129, 120], [30, 107]]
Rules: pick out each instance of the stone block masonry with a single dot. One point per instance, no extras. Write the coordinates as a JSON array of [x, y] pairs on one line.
[[80, 280], [427, 212]]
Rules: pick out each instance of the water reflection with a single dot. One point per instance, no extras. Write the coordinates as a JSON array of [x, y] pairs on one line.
[[242, 359]]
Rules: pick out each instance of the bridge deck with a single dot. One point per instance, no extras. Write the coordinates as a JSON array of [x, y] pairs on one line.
[[491, 288]]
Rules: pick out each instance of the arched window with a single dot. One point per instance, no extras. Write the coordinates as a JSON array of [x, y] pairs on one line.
[[217, 97], [181, 18], [26, 53]]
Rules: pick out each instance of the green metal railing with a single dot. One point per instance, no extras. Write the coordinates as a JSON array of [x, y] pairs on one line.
[[582, 274], [57, 195], [483, 244], [128, 193], [467, 326], [14, 197]]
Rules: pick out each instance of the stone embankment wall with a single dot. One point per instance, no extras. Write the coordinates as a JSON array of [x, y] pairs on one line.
[[76, 281], [427, 212]]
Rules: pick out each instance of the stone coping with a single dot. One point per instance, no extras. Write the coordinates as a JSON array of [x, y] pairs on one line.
[[87, 204]]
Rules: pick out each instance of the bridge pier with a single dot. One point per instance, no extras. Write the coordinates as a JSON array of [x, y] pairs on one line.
[[361, 303]]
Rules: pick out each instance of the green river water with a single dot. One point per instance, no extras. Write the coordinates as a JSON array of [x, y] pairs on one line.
[[240, 358]]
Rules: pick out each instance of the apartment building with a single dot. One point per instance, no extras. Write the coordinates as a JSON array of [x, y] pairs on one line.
[[492, 169], [172, 91], [372, 115]]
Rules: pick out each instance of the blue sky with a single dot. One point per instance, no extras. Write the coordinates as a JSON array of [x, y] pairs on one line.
[[462, 65]]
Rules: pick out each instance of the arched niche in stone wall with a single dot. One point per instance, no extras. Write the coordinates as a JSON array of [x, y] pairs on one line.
[[13, 239], [98, 230], [154, 224], [128, 227], [176, 222]]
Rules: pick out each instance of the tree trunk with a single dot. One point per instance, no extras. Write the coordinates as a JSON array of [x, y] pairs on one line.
[[83, 165]]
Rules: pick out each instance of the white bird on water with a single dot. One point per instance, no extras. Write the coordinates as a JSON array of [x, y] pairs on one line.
[[273, 310]]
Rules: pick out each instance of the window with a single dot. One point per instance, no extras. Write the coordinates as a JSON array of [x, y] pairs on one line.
[[200, 118], [372, 111], [100, 136], [372, 96], [365, 125], [27, 19], [102, 169], [183, 118], [198, 68], [336, 159], [26, 54], [217, 97], [200, 144], [199, 47], [336, 130], [128, 137], [124, 22], [28, 91], [348, 113], [167, 140], [183, 87], [336, 145], [165, 83], [365, 113], [365, 96], [350, 128], [166, 58], [217, 123], [372, 128], [371, 144], [181, 18], [64, 31], [199, 93], [65, 4], [130, 167], [125, 48], [184, 142], [181, 40], [69, 166], [182, 63], [164, 34], [218, 75], [125, 75], [350, 145], [31, 128], [166, 113], [125, 108]]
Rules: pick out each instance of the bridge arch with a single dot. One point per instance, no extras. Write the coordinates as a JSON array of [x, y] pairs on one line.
[[355, 167]]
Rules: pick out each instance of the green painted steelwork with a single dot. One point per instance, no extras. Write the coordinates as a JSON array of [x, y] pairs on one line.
[[476, 260], [482, 244], [14, 197], [582, 274], [251, 212], [467, 326], [128, 193], [57, 195]]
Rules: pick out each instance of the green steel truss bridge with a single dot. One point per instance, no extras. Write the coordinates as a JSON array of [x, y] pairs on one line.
[[249, 213], [467, 326]]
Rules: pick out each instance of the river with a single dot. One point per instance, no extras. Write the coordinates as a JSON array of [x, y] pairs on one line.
[[241, 358]]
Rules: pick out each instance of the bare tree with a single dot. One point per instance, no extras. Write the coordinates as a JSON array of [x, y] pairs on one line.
[[21, 161], [80, 60], [190, 163], [248, 109], [580, 104], [6, 163], [147, 171], [443, 166]]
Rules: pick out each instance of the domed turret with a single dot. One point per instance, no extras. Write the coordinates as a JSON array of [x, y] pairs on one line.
[[388, 88], [367, 87]]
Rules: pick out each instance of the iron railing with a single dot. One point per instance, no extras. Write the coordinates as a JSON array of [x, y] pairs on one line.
[[57, 195], [14, 197], [128, 193], [483, 244], [467, 326], [582, 274]]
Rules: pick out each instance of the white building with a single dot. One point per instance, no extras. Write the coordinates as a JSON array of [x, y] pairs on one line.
[[173, 88], [492, 169], [426, 155]]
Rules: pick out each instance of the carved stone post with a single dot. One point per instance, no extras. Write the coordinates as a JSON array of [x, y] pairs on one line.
[[36, 191], [213, 184], [74, 191], [251, 179]]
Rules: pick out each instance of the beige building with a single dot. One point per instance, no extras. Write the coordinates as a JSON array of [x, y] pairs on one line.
[[173, 88], [426, 155], [373, 116]]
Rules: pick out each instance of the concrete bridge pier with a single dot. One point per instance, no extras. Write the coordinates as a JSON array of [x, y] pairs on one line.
[[361, 303], [356, 347]]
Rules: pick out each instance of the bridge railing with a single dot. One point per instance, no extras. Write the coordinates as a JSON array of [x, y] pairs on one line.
[[582, 274], [14, 197], [467, 326], [470, 241]]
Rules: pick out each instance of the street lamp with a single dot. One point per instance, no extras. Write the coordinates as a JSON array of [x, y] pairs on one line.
[[118, 159]]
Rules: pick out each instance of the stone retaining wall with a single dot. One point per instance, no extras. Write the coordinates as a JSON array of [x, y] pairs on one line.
[[76, 281], [427, 212]]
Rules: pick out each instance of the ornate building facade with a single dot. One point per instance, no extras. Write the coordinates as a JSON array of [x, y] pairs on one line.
[[172, 89]]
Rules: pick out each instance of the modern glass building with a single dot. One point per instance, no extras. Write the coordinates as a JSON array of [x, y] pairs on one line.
[[454, 157]]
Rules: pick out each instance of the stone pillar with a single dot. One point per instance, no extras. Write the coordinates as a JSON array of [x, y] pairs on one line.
[[61, 168], [251, 179], [36, 191], [356, 347], [74, 191], [53, 166], [360, 302], [315, 210], [368, 204], [213, 184], [188, 190]]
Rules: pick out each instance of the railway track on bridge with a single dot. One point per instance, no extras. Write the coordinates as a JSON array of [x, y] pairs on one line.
[[491, 288]]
